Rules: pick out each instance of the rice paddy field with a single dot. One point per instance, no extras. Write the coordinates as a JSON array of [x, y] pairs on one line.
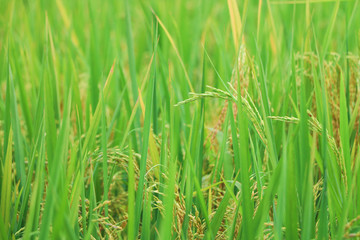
[[191, 119]]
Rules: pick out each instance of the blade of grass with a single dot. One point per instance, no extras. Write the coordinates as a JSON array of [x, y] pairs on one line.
[[344, 133], [18, 138], [167, 223], [6, 186], [131, 196], [144, 150]]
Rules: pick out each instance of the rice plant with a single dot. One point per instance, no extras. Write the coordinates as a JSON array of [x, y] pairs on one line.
[[186, 119]]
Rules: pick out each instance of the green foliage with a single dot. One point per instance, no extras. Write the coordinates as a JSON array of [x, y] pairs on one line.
[[179, 119]]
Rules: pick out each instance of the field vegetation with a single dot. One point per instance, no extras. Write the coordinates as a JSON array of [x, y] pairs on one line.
[[192, 119]]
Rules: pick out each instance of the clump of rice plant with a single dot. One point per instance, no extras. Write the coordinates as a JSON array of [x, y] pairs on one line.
[[179, 119]]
